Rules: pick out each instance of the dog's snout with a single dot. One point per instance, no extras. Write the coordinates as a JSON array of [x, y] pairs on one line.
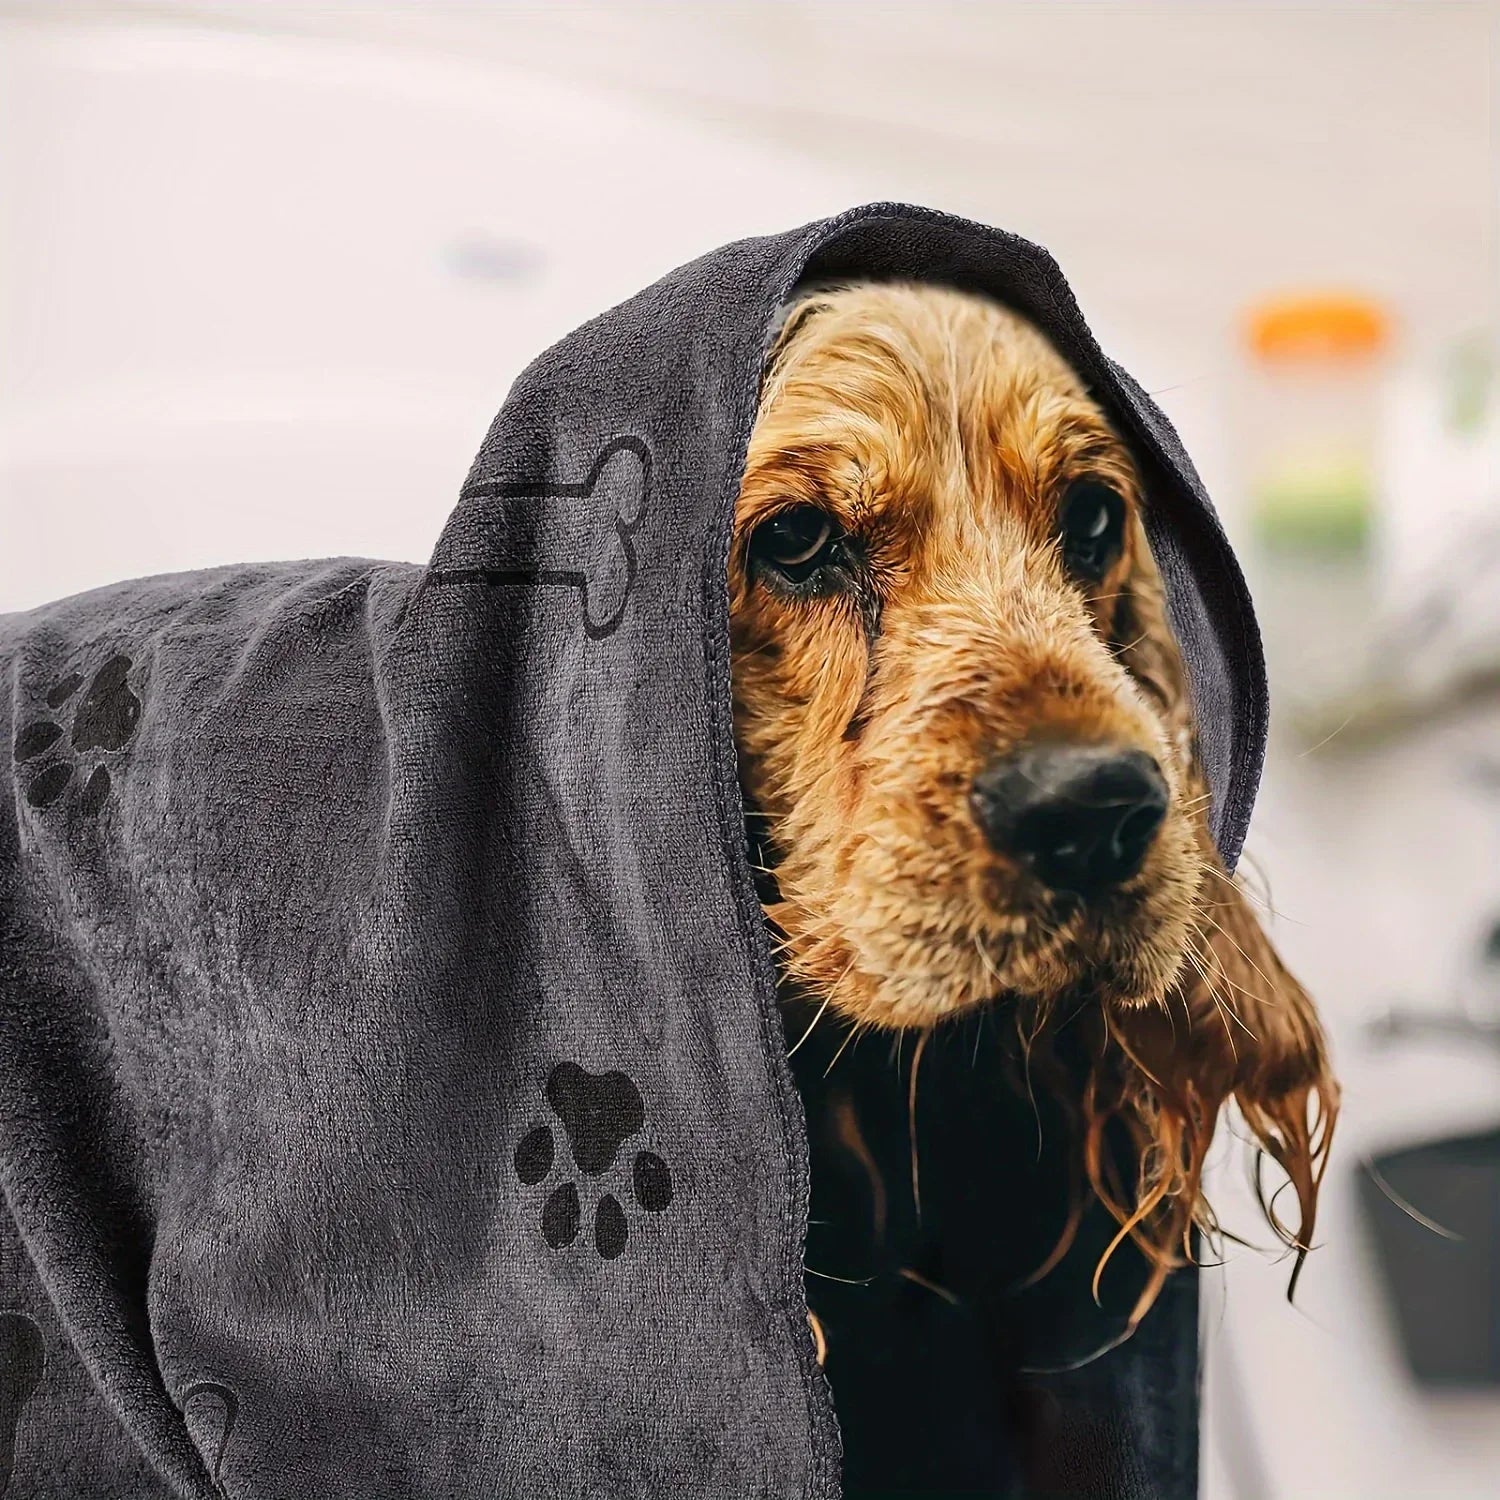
[[1079, 817]]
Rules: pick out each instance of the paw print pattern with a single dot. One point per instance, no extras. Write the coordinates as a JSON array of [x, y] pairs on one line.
[[598, 1112], [105, 718]]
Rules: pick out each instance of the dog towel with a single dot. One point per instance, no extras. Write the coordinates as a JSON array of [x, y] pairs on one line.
[[393, 1099]]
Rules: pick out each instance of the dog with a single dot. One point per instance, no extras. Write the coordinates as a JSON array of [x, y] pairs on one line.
[[964, 727]]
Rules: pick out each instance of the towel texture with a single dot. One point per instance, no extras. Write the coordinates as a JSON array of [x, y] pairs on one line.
[[393, 1100]]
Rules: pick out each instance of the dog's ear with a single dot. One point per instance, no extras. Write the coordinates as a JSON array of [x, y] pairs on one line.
[[1236, 1026], [1270, 1045]]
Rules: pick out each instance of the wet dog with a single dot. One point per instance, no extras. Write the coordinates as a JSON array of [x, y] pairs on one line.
[[964, 727]]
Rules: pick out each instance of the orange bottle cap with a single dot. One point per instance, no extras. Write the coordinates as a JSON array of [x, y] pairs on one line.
[[1317, 328]]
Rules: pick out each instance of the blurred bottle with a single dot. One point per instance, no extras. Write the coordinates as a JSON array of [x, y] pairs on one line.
[[1309, 423]]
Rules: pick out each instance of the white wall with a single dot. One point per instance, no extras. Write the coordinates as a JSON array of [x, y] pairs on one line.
[[265, 291]]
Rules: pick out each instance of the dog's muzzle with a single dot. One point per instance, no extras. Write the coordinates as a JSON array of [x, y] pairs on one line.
[[1078, 817]]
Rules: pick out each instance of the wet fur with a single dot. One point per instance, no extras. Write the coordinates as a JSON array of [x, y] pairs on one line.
[[939, 429]]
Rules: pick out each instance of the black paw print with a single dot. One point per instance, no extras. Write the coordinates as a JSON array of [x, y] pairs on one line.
[[105, 719], [598, 1111]]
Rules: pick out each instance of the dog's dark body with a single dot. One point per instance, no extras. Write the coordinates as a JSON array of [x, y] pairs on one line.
[[951, 1373]]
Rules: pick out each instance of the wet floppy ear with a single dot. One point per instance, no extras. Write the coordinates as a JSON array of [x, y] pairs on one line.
[[1231, 960], [1236, 1026], [1256, 1037]]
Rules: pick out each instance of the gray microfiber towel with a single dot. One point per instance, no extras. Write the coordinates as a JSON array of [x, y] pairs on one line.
[[393, 1098]]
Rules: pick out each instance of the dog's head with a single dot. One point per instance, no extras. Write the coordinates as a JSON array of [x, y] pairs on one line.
[[963, 718], [955, 705]]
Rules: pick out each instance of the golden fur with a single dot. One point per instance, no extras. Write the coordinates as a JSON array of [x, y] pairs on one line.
[[937, 431]]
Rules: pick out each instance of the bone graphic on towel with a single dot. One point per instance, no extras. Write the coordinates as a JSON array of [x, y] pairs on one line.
[[22, 1361], [576, 536]]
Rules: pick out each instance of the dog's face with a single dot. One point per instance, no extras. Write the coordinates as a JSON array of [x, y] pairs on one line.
[[937, 594], [964, 728]]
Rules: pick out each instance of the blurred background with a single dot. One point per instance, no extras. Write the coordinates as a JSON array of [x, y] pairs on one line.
[[268, 269]]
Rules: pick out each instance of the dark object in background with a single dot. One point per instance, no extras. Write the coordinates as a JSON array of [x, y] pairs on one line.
[[1443, 1286]]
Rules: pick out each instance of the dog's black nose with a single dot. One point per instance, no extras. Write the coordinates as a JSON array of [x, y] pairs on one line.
[[1079, 817]]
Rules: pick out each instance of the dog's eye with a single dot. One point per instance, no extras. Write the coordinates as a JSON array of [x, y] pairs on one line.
[[1092, 521], [795, 543]]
